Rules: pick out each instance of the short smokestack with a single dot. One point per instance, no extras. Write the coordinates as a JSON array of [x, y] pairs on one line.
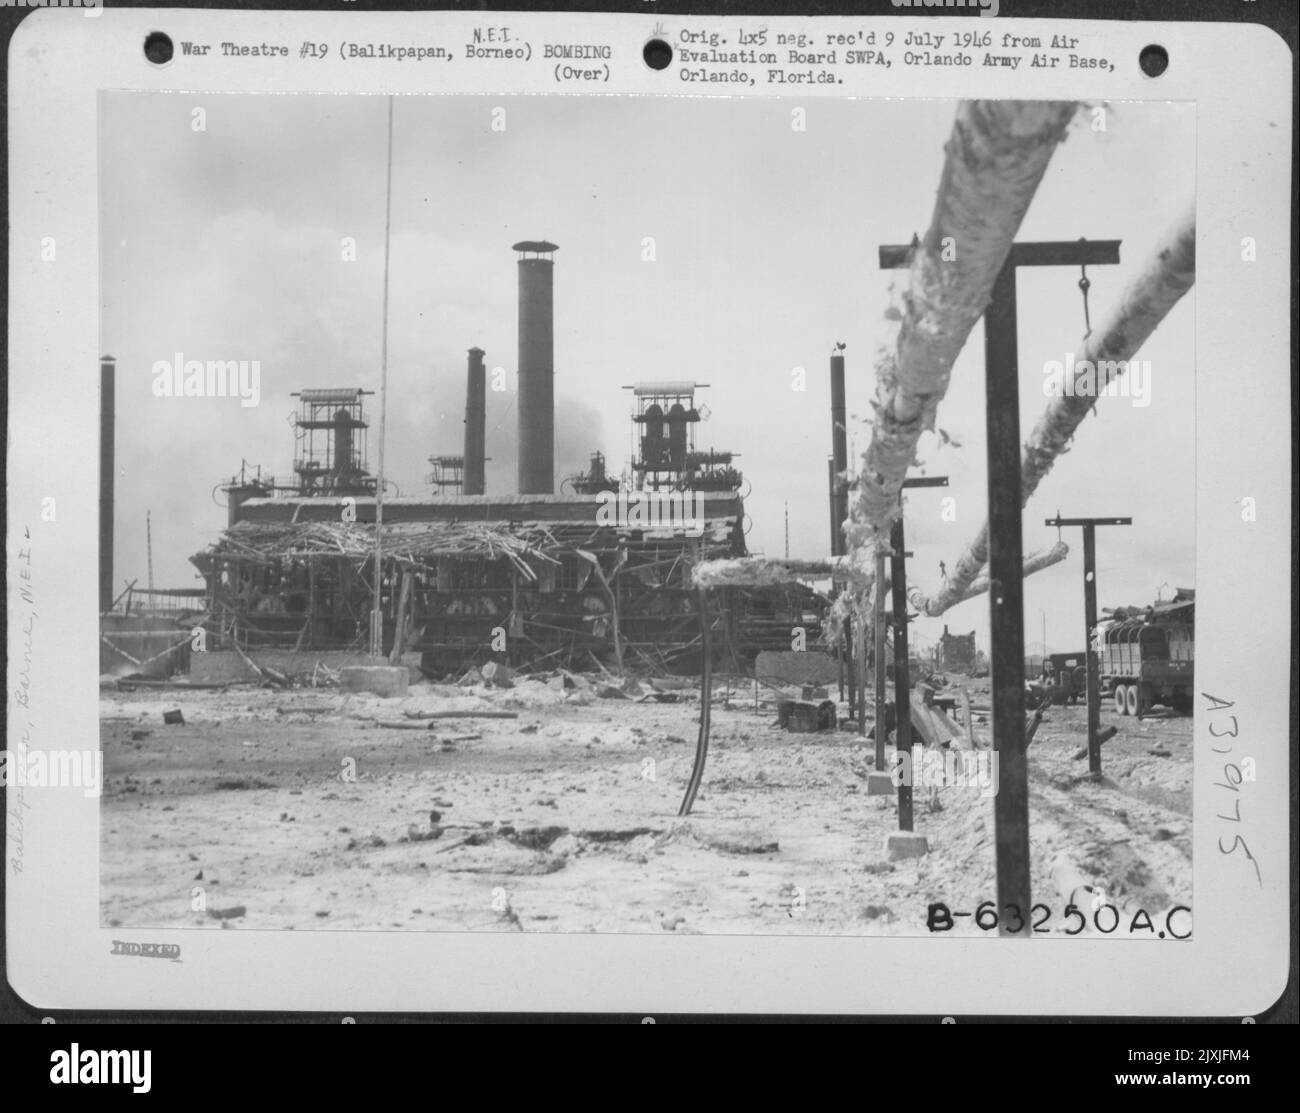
[[475, 422], [342, 446], [840, 455], [107, 421], [536, 368]]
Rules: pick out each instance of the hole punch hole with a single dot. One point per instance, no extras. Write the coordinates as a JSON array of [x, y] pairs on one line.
[[158, 48], [1154, 60], [658, 54]]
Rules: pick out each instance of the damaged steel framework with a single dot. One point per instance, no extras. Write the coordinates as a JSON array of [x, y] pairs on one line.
[[535, 581]]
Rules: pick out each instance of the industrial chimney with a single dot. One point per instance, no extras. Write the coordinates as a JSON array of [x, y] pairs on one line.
[[107, 420], [476, 418], [536, 368]]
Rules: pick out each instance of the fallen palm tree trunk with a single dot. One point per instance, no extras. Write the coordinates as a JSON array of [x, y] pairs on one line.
[[996, 156], [1035, 563], [1167, 276], [757, 571], [766, 571]]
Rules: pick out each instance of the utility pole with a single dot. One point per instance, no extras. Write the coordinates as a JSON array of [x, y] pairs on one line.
[[1006, 548], [839, 493], [376, 608], [1090, 623], [880, 658], [902, 682]]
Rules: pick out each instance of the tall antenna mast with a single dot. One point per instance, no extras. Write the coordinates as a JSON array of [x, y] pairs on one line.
[[148, 534], [376, 614]]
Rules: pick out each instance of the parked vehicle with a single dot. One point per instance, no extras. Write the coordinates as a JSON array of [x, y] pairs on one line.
[[1064, 678], [1146, 657]]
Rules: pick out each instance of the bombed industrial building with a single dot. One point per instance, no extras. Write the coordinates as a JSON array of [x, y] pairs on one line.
[[525, 588]]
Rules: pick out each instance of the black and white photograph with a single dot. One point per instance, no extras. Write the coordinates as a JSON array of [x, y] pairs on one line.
[[575, 514], [648, 516]]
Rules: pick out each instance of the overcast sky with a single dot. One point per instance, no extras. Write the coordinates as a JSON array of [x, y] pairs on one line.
[[225, 244]]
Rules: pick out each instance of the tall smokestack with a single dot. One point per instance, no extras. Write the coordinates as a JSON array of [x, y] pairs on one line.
[[536, 368], [840, 450], [107, 420], [475, 422]]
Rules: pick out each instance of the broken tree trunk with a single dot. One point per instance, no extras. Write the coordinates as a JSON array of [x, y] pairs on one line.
[[1035, 563], [263, 672], [399, 626], [760, 571], [996, 156], [765, 571], [610, 597], [1167, 276]]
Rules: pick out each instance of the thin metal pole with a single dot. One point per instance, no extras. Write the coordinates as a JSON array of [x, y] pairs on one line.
[[1006, 592], [706, 704], [1093, 683], [1090, 656], [840, 456], [376, 614], [880, 659], [862, 676], [850, 667], [830, 488], [902, 685], [107, 467]]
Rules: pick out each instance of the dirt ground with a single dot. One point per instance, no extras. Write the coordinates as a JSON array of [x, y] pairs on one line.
[[296, 809]]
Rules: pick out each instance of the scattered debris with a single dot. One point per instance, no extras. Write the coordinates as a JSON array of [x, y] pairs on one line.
[[472, 714], [236, 784], [497, 675], [369, 841]]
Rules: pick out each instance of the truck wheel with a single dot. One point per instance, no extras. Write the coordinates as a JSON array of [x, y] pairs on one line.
[[1121, 702], [1131, 699], [1144, 700]]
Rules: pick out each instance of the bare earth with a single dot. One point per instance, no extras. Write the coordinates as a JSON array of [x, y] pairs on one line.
[[294, 809]]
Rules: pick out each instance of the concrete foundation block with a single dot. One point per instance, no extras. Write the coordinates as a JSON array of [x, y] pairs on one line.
[[389, 681], [880, 784], [905, 844]]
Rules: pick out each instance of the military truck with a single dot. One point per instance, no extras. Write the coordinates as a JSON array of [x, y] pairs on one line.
[[1146, 657]]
